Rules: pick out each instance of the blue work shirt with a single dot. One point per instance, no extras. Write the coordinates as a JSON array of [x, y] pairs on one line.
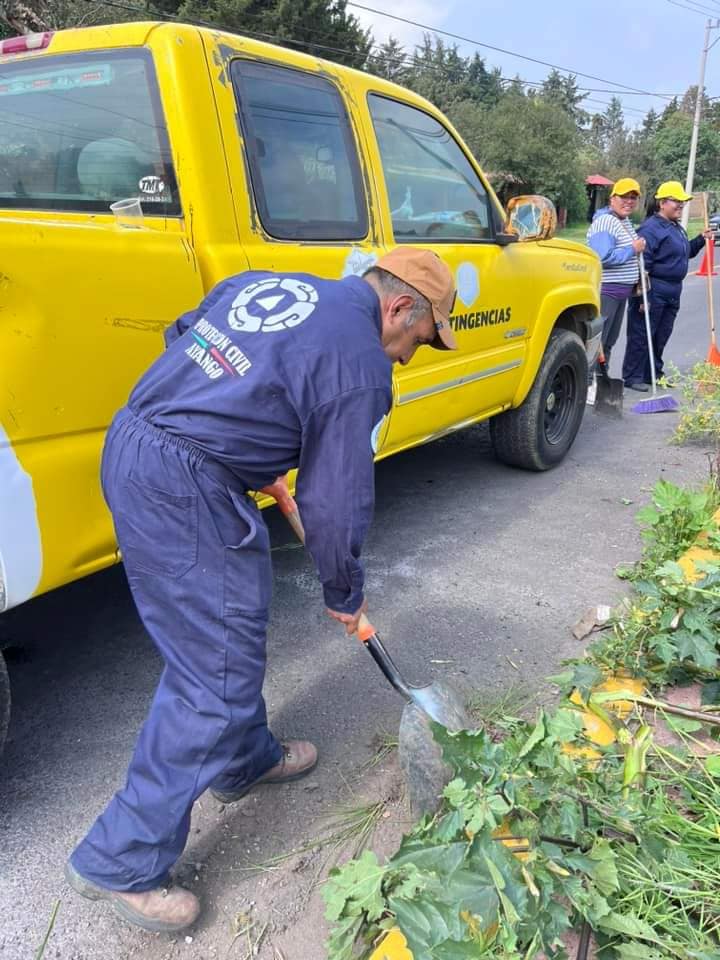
[[275, 371], [667, 253]]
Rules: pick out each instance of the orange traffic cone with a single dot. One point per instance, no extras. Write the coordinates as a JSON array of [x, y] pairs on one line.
[[707, 267]]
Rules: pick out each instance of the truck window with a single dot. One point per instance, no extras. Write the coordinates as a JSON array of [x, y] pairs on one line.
[[301, 152], [433, 190], [79, 132]]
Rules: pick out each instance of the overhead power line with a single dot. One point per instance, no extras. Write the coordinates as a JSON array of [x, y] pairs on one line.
[[409, 60], [693, 6], [511, 53]]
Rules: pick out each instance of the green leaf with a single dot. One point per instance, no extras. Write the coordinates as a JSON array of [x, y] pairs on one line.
[[699, 622], [564, 725], [633, 950], [681, 724], [342, 938], [452, 950], [570, 818], [696, 647], [536, 737], [712, 765], [355, 889], [664, 648], [456, 792], [710, 693], [441, 859], [604, 871], [628, 925], [427, 922]]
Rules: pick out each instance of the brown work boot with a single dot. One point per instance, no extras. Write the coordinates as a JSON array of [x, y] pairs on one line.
[[299, 757], [163, 910]]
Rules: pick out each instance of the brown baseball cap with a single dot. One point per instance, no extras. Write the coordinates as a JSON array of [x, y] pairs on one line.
[[425, 272]]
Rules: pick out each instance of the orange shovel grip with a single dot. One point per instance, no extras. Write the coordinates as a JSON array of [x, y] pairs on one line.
[[286, 502], [365, 629]]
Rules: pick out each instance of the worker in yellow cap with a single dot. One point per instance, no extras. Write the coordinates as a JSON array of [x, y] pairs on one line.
[[612, 236], [667, 254]]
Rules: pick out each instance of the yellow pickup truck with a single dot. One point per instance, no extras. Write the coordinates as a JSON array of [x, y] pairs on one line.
[[142, 163]]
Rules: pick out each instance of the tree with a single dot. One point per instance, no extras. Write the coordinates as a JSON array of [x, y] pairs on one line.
[[33, 16], [389, 61], [320, 27], [672, 148], [442, 75], [563, 92], [535, 144]]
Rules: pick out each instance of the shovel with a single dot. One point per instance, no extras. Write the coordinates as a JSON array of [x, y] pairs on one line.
[[420, 755], [608, 390]]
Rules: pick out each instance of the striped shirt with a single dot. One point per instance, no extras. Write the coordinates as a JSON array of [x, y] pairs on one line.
[[611, 238]]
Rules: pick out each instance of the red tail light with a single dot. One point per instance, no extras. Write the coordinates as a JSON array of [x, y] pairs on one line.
[[30, 41]]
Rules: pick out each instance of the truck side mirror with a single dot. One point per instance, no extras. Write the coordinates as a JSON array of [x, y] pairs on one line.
[[530, 217]]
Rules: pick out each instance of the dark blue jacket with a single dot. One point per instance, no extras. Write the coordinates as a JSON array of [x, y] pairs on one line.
[[275, 371], [667, 253]]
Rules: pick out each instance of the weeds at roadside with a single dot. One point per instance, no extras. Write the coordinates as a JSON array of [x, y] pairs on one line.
[[349, 830], [489, 709], [51, 923], [383, 745]]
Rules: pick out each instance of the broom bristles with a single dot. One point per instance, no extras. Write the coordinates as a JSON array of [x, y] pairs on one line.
[[666, 404]]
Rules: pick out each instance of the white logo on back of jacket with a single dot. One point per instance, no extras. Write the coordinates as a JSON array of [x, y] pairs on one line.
[[277, 305]]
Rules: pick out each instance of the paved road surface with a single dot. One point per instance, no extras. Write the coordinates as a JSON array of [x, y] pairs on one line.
[[468, 562]]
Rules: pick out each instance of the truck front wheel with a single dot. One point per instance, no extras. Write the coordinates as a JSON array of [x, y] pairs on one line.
[[538, 434]]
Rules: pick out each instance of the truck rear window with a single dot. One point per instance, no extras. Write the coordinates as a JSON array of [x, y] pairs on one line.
[[79, 132], [303, 161]]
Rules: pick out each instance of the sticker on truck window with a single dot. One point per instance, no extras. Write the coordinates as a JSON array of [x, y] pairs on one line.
[[69, 78]]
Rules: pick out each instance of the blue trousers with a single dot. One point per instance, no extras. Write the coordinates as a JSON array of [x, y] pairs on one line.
[[636, 363], [197, 557]]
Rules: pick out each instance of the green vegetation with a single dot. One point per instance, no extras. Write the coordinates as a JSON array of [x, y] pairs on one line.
[[542, 830]]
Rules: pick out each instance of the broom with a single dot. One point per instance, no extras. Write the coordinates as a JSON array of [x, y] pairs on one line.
[[713, 353], [654, 403]]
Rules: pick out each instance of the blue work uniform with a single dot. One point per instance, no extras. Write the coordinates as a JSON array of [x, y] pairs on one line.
[[667, 254], [269, 373]]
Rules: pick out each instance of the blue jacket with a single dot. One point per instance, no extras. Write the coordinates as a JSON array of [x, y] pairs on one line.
[[275, 371], [667, 253]]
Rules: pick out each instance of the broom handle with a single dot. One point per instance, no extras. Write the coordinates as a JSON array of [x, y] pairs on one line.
[[709, 260], [648, 331]]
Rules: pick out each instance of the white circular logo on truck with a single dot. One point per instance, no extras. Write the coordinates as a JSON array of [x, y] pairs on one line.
[[272, 304]]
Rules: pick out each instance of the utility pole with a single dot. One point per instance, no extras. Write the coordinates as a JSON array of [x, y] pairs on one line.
[[710, 25]]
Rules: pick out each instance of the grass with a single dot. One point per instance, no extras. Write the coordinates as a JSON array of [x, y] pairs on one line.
[[41, 949]]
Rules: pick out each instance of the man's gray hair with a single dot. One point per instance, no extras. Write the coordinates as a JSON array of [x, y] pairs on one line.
[[393, 286]]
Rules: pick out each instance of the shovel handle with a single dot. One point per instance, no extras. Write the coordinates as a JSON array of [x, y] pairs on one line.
[[366, 631], [374, 645], [286, 503]]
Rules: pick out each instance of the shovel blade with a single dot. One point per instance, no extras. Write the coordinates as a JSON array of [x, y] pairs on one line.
[[420, 755], [609, 397], [442, 704]]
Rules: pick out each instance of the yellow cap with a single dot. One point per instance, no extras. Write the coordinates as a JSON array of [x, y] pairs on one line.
[[624, 185], [672, 190]]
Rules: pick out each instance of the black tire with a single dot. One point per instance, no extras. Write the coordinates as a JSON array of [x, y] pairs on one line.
[[538, 434], [4, 702]]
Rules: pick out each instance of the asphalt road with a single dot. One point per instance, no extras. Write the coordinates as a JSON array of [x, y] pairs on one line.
[[469, 563]]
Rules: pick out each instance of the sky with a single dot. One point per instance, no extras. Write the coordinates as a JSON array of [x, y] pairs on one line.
[[649, 45]]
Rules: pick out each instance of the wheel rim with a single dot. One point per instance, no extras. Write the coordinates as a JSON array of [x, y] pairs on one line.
[[560, 402]]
